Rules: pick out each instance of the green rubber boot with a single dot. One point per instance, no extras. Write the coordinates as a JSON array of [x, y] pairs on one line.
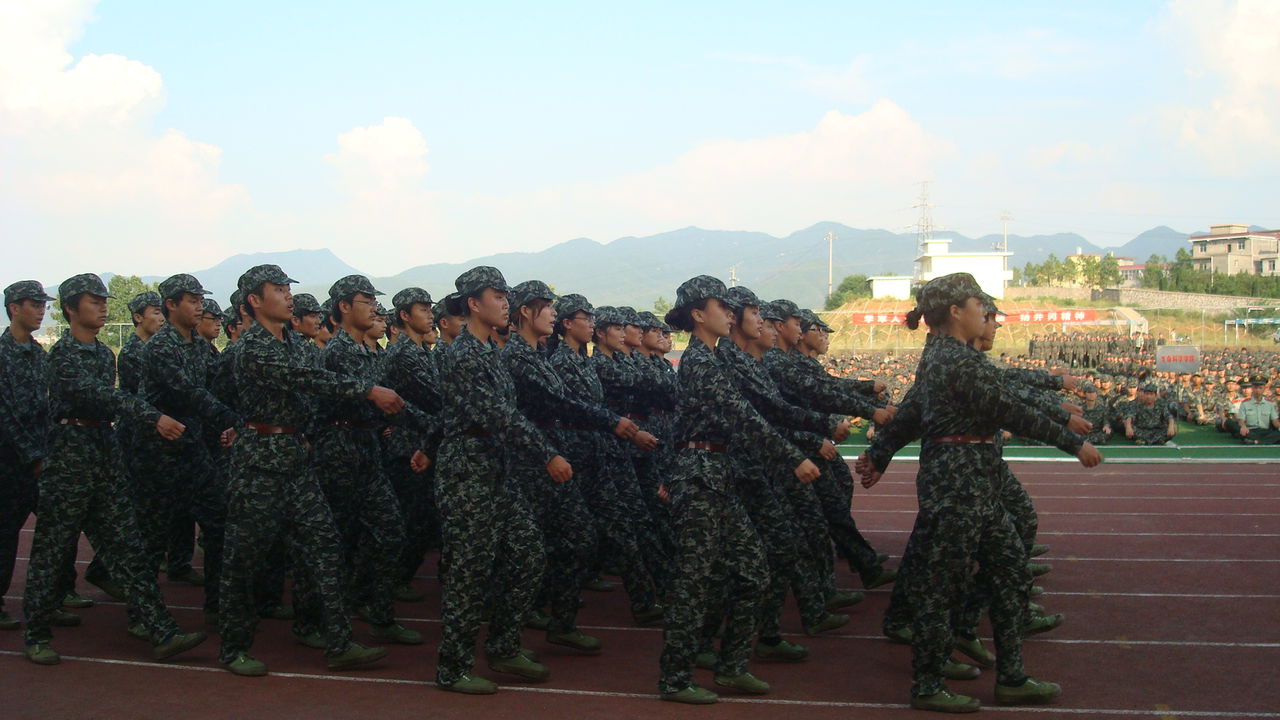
[[706, 660], [42, 654], [955, 670], [314, 639], [946, 701], [692, 695], [8, 622], [831, 622], [520, 666], [899, 635], [139, 631], [1036, 591], [840, 600], [1031, 692], [396, 633], [1037, 569], [246, 665], [1042, 624], [744, 683], [354, 656], [406, 593], [972, 648], [177, 643], [537, 620], [1038, 549], [651, 614], [885, 577], [783, 651], [472, 685], [576, 640], [75, 600], [62, 618]]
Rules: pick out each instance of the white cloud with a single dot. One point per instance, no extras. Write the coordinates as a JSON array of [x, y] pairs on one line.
[[1234, 50], [83, 171]]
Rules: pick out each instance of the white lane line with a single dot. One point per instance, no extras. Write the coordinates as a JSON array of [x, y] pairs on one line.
[[647, 696], [1114, 484], [1137, 514]]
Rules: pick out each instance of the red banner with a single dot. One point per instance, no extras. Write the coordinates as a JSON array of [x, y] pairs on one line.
[[1028, 316]]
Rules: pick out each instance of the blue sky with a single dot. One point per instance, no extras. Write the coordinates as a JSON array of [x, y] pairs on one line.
[[157, 137]]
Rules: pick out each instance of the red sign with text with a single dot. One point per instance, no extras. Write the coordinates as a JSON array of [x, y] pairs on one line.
[[1029, 316]]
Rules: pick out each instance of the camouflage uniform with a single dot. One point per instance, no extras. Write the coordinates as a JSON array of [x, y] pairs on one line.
[[129, 363], [1150, 423], [961, 519], [82, 487], [616, 526], [559, 508], [411, 370], [712, 528], [348, 466], [24, 418], [272, 489], [173, 478], [1098, 416], [492, 547]]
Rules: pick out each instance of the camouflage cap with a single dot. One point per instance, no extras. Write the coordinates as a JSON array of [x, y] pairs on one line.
[[649, 321], [530, 290], [786, 308], [25, 290], [572, 304], [83, 283], [381, 310], [478, 278], [211, 307], [769, 311], [254, 277], [948, 290], [1088, 388], [740, 297], [989, 305], [179, 284], [810, 321], [702, 287], [405, 299], [453, 305], [350, 285], [326, 307], [236, 300], [1148, 387], [629, 315], [142, 301], [305, 304], [608, 315]]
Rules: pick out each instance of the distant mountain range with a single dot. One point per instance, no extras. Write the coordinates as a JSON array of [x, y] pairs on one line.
[[638, 271]]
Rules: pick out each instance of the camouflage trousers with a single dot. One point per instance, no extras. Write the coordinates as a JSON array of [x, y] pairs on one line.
[[492, 555], [415, 494], [961, 522], [172, 482], [368, 517], [811, 525], [273, 494], [568, 536], [17, 501], [619, 468], [83, 489], [835, 490], [615, 523], [792, 566], [650, 472], [715, 541], [1150, 436]]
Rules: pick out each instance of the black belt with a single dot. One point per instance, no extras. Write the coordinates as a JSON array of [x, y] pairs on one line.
[[81, 422]]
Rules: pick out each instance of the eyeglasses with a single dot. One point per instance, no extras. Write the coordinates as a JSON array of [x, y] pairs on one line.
[[363, 302]]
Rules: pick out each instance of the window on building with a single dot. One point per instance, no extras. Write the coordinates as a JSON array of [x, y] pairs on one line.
[[1203, 247], [1240, 244]]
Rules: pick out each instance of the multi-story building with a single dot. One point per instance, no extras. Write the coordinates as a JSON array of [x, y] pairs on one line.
[[1234, 249], [990, 269]]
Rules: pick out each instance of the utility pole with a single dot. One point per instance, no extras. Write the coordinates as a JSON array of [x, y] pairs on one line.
[[831, 241], [1005, 217], [733, 276]]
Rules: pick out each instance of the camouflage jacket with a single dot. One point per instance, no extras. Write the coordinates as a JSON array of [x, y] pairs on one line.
[[804, 382], [273, 379], [82, 385], [24, 400], [1154, 417], [348, 358], [482, 399], [757, 386], [712, 410], [623, 381], [541, 394], [222, 377], [129, 364], [577, 371], [411, 370], [173, 382]]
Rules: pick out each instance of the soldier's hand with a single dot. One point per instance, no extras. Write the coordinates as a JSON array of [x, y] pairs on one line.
[[1070, 382], [1078, 425], [1244, 430], [663, 493], [1006, 434], [559, 469], [884, 414], [807, 472], [871, 478], [644, 441], [37, 468], [1072, 408], [841, 433], [386, 399], [227, 438], [1106, 429], [1089, 455], [863, 464], [878, 387], [626, 428], [419, 462], [169, 428], [828, 450]]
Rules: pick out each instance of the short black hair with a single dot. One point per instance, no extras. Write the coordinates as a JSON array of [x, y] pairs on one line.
[[73, 301], [244, 299], [164, 302]]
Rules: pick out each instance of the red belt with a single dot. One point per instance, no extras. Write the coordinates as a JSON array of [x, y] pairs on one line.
[[266, 429], [78, 422], [638, 417], [362, 424], [970, 439], [699, 445]]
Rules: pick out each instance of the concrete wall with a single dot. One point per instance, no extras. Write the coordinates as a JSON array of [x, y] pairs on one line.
[[1138, 297], [1029, 293]]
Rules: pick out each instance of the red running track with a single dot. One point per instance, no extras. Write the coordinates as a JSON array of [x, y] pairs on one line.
[[1169, 576]]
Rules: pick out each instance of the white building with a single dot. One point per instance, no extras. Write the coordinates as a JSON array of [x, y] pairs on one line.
[[1233, 249], [897, 287], [990, 269]]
